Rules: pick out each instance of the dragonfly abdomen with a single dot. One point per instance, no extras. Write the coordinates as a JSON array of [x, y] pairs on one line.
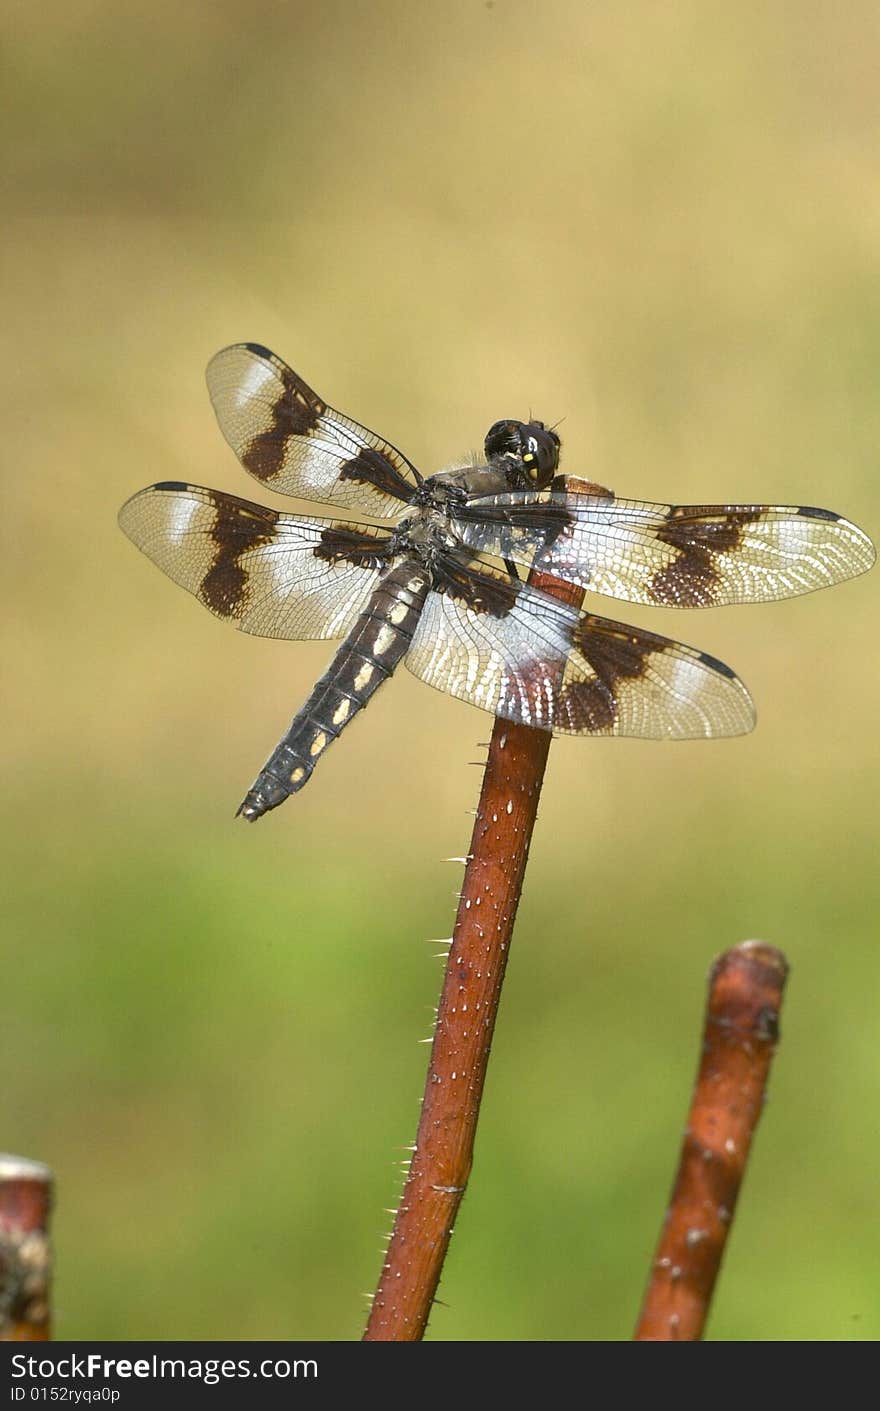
[[379, 639]]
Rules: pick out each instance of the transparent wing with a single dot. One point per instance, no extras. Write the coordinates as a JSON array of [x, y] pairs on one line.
[[273, 575], [517, 652], [668, 555], [290, 440]]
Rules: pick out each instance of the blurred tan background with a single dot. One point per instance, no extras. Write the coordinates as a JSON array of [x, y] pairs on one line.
[[658, 222]]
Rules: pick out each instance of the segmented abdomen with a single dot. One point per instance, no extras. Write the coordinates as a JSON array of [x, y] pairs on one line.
[[367, 657]]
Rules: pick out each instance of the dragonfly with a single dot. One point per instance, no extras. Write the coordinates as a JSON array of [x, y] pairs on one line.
[[440, 587]]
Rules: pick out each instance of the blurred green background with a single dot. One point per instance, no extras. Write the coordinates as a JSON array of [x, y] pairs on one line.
[[659, 222]]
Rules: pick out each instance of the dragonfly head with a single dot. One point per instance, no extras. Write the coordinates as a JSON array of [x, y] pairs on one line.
[[532, 445]]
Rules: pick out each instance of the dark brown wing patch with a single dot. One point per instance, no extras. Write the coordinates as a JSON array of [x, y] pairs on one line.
[[481, 590], [239, 527], [691, 579], [374, 468], [341, 544], [295, 413], [614, 655]]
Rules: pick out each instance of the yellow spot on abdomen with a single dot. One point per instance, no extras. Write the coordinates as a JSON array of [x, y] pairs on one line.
[[364, 676], [341, 712], [398, 613], [298, 773], [318, 743], [384, 637]]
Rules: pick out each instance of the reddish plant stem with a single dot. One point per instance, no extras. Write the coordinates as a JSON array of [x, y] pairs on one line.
[[443, 1151], [739, 1041], [25, 1260]]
